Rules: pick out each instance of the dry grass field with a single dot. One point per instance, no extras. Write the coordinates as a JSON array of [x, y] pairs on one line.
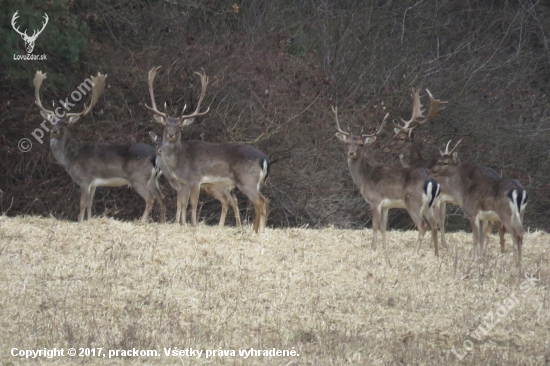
[[322, 293]]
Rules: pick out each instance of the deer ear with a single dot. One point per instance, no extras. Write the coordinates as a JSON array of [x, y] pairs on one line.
[[186, 122], [342, 136], [159, 119], [153, 136], [396, 130], [47, 116], [455, 156], [73, 119], [370, 140]]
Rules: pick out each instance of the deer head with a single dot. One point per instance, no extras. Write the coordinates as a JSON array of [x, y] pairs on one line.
[[61, 122], [173, 125], [355, 143], [448, 163], [29, 40], [404, 135]]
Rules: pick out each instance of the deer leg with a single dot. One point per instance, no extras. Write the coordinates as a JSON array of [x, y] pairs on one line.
[[483, 229], [149, 200], [225, 207], [501, 232], [514, 227], [260, 208], [84, 199], [432, 221], [159, 197], [416, 209], [375, 224], [475, 232], [384, 225], [259, 202], [183, 200], [221, 195], [422, 226], [488, 232], [235, 206], [194, 200], [90, 202], [442, 212]]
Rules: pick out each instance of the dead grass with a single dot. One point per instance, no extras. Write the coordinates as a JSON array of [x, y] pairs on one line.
[[120, 285]]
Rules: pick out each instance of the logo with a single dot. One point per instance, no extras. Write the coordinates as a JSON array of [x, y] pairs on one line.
[[29, 40]]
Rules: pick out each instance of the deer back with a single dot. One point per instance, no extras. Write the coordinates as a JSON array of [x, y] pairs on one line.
[[216, 163]]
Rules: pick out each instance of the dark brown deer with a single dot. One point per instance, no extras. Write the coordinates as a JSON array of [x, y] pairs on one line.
[[224, 194], [484, 198], [194, 163], [385, 187], [94, 164]]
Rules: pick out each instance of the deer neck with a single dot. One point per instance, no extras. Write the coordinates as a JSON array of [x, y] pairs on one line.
[[457, 184], [359, 168], [64, 149], [171, 152], [413, 157]]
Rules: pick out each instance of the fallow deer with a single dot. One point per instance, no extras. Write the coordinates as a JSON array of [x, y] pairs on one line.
[[94, 164], [224, 194], [410, 155], [484, 198], [385, 187], [194, 163]]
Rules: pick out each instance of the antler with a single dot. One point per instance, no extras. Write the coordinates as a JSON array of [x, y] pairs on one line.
[[36, 33], [25, 36], [13, 19], [418, 112], [153, 108], [447, 152], [98, 85], [38, 79], [196, 113], [433, 112], [335, 111], [380, 129]]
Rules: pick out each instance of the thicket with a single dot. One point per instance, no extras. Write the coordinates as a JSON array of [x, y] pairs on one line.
[[276, 68]]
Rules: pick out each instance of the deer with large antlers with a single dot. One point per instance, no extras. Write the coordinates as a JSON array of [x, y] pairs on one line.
[[29, 40], [194, 163], [484, 198], [385, 187], [224, 194], [409, 151], [94, 164]]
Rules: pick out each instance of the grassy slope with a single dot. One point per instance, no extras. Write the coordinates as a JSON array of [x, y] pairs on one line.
[[117, 284]]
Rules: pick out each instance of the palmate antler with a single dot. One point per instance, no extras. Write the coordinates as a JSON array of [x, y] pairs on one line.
[[98, 85], [182, 117], [418, 112]]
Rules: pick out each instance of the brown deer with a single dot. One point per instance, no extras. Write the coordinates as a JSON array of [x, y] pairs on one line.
[[94, 164], [484, 198], [409, 151], [385, 187], [224, 194], [194, 163]]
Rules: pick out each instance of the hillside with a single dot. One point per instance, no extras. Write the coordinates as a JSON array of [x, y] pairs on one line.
[[323, 293]]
